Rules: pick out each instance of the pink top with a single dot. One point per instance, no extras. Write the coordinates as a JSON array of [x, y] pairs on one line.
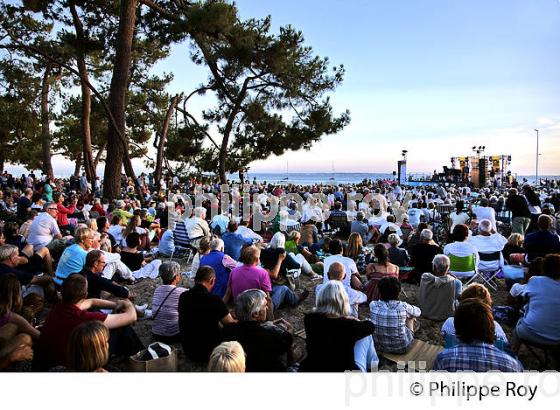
[[249, 277]]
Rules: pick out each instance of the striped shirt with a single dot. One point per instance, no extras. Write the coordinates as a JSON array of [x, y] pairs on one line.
[[166, 323]]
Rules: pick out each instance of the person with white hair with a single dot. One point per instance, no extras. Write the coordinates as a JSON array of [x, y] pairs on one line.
[[337, 342], [196, 226], [439, 292], [221, 263], [489, 245], [268, 345], [423, 253]]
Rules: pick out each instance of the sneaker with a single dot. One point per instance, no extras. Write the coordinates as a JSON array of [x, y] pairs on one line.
[[314, 276], [148, 314], [141, 308]]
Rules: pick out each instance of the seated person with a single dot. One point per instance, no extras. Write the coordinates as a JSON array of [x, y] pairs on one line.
[[422, 254], [221, 263], [44, 230], [249, 275], [227, 357], [393, 320], [543, 241], [543, 295], [473, 291], [488, 242], [74, 310], [88, 349], [355, 297], [513, 246], [439, 291], [165, 304], [377, 270], [73, 258], [16, 333], [474, 325], [268, 347], [397, 256], [234, 242], [201, 316], [141, 267], [336, 341], [462, 251], [350, 269], [11, 262], [247, 233], [93, 272]]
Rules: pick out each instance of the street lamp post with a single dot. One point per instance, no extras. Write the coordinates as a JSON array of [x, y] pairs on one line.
[[537, 160]]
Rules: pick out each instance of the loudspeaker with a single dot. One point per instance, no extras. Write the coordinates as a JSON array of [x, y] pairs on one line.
[[482, 171]]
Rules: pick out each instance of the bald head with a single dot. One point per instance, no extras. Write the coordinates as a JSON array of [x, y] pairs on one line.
[[336, 271]]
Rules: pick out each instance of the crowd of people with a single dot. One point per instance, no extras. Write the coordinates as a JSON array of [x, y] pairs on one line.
[[69, 261]]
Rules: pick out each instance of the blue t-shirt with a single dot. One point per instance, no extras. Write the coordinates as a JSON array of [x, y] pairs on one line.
[[233, 242], [72, 261], [543, 307]]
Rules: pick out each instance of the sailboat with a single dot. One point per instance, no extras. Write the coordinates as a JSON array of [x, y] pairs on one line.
[[332, 179], [287, 177]]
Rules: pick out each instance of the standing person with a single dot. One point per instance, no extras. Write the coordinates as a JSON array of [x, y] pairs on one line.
[[201, 316], [519, 207]]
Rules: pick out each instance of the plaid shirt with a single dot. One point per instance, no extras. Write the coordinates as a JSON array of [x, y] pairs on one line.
[[478, 357], [389, 318]]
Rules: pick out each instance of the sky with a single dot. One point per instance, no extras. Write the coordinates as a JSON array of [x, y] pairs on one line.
[[434, 77]]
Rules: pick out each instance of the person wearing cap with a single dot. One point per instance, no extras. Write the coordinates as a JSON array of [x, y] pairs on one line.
[[44, 229], [121, 212]]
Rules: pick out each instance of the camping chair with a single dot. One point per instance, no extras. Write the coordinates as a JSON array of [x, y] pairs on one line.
[[491, 266], [339, 224], [463, 267]]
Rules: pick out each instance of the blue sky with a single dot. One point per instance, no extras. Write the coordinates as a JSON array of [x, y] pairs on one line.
[[432, 76]]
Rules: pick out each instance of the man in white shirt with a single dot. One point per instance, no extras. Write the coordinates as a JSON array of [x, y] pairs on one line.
[[246, 232], [414, 215], [350, 268], [390, 223], [488, 242], [197, 227], [355, 297], [485, 212], [44, 228]]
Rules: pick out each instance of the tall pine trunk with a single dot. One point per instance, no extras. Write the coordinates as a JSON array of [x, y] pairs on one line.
[[162, 140], [45, 129], [116, 144], [89, 166]]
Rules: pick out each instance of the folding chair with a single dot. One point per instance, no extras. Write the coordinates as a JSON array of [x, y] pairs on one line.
[[463, 267], [489, 267]]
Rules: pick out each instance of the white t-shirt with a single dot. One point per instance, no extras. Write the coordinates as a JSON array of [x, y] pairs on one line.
[[414, 216], [458, 219], [485, 212], [42, 230], [349, 267]]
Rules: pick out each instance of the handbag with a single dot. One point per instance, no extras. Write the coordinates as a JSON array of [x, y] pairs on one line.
[[153, 359]]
